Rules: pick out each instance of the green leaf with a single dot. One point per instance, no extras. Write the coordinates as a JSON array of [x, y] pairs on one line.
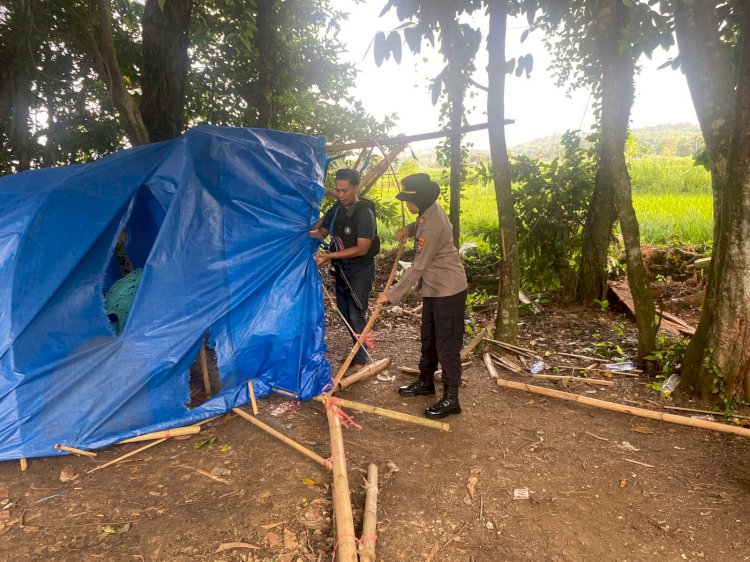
[[225, 448], [205, 443]]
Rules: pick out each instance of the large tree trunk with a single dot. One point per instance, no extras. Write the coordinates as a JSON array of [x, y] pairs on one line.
[[597, 234], [506, 324], [706, 62], [165, 67], [457, 113], [617, 99], [264, 42], [724, 368]]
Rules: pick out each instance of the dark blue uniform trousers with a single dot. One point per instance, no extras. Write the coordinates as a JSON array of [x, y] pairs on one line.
[[442, 336]]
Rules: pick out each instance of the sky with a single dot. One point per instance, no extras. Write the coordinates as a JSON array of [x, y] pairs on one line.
[[537, 105]]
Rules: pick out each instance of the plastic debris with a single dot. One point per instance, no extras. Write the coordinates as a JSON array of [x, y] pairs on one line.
[[521, 494], [620, 366], [670, 384], [537, 367]]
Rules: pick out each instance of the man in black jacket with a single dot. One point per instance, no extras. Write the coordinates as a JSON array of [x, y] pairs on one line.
[[354, 244]]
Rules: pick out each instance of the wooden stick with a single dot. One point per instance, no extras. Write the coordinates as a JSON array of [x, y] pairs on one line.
[[24, 465], [418, 309], [574, 379], [281, 437], [206, 474], [343, 318], [285, 393], [515, 348], [368, 327], [127, 455], [633, 411], [74, 450], [370, 518], [490, 367], [204, 368], [366, 408], [582, 357], [634, 373], [438, 373], [365, 373], [253, 403], [476, 340], [166, 434], [346, 540], [710, 412], [506, 363], [433, 552]]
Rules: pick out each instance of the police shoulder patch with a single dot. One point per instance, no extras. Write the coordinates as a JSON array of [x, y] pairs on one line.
[[421, 220], [420, 244]]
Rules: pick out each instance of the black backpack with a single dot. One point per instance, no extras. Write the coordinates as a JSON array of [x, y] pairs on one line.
[[350, 238]]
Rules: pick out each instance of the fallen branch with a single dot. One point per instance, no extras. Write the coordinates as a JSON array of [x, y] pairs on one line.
[[345, 549], [74, 450], [366, 408], [365, 373], [574, 379], [614, 407], [370, 518], [281, 437]]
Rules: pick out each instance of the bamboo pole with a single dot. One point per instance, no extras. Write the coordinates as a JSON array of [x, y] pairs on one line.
[[24, 465], [364, 373], [633, 411], [368, 327], [573, 379], [515, 348], [281, 437], [345, 549], [285, 393], [127, 455], [74, 450], [343, 318], [473, 343], [438, 373], [366, 408], [490, 367], [370, 518], [166, 434], [253, 403], [204, 368]]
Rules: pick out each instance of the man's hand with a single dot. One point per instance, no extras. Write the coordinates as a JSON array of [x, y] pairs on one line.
[[321, 258], [402, 234], [382, 299]]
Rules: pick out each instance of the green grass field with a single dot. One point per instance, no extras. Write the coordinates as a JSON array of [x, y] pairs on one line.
[[671, 196]]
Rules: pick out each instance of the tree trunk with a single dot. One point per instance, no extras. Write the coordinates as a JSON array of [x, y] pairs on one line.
[[725, 361], [597, 234], [264, 42], [706, 63], [165, 67], [457, 113], [617, 99], [506, 323]]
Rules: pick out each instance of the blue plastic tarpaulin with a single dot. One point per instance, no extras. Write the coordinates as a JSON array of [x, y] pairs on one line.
[[218, 220]]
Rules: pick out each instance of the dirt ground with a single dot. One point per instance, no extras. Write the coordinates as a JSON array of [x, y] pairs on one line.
[[601, 485]]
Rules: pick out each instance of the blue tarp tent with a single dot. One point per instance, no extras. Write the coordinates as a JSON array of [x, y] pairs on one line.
[[218, 219]]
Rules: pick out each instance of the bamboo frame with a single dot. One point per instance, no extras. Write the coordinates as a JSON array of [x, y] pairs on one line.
[[366, 408], [364, 373], [165, 434], [370, 518], [74, 450], [204, 368], [281, 437], [346, 541], [633, 411], [253, 403]]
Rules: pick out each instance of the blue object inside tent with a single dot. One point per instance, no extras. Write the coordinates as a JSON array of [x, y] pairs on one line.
[[218, 219]]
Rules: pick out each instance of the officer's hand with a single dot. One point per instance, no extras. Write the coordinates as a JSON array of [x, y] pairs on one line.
[[402, 234], [382, 299], [321, 258]]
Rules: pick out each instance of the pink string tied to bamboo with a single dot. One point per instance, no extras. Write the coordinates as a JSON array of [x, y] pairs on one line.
[[346, 420], [369, 341], [329, 460], [345, 538]]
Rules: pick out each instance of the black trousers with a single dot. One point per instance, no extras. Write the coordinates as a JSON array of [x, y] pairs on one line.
[[360, 280], [443, 336]]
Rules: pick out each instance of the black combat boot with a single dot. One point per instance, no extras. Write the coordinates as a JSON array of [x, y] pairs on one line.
[[447, 406], [425, 386]]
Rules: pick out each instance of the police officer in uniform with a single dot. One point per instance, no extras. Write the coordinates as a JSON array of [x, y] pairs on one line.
[[438, 271], [354, 244]]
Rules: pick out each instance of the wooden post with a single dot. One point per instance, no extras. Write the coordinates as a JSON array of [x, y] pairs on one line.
[[364, 373], [324, 398], [74, 450], [24, 465], [253, 403], [204, 368], [346, 541], [370, 518], [630, 410], [281, 437]]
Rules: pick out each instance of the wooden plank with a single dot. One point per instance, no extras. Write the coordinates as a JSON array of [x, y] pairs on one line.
[[622, 292]]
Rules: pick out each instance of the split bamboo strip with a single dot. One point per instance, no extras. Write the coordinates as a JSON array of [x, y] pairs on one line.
[[253, 403], [438, 373], [364, 373], [366, 408], [712, 413], [473, 343], [370, 518], [490, 367], [614, 407], [166, 434], [127, 455], [74, 450], [506, 363], [634, 373], [285, 393], [370, 324], [204, 368], [345, 548], [574, 379], [600, 360], [281, 437], [515, 348], [24, 465]]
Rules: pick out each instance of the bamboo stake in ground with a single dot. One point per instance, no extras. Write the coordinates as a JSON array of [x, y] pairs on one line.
[[24, 465], [370, 518], [253, 403], [281, 437], [370, 323], [366, 408], [127, 455], [204, 368], [346, 541], [574, 379], [74, 450], [166, 434], [365, 373], [614, 407]]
